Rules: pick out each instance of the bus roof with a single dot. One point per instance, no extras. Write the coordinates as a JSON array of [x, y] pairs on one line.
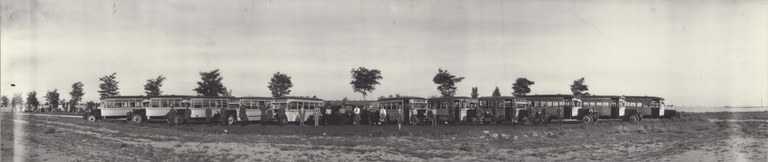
[[497, 98], [645, 97], [401, 98], [602, 96], [115, 97], [547, 95], [299, 98], [450, 98], [256, 97]]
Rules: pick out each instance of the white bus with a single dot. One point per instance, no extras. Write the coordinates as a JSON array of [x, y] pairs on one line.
[[115, 107], [253, 106], [293, 105]]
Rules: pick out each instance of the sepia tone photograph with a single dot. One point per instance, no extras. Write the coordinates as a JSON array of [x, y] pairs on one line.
[[384, 80]]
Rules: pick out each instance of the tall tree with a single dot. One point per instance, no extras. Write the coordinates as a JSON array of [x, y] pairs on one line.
[[4, 101], [108, 86], [211, 84], [280, 85], [474, 92], [522, 86], [77, 94], [52, 97], [152, 88], [496, 92], [446, 82], [17, 100], [579, 88], [364, 81], [32, 100]]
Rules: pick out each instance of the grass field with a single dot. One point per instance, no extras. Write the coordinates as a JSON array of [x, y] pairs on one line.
[[40, 138]]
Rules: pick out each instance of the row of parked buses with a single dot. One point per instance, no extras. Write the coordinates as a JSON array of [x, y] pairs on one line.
[[529, 109]]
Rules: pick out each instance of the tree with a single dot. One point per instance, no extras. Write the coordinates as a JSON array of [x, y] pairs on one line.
[[16, 100], [364, 81], [211, 84], [108, 86], [63, 103], [474, 92], [4, 101], [446, 82], [280, 85], [52, 97], [522, 86], [32, 100], [496, 92], [77, 94], [152, 88], [579, 88]]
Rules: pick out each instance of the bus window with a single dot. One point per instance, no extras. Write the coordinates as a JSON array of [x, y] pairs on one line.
[[293, 105]]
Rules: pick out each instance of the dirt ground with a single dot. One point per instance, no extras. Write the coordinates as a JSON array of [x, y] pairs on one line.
[[696, 137]]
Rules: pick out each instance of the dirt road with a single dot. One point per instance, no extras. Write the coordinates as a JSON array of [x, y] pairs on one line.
[[54, 138]]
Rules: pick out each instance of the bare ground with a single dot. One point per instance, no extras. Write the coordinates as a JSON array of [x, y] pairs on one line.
[[697, 137]]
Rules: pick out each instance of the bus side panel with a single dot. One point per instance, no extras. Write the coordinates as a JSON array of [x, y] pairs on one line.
[[157, 112]]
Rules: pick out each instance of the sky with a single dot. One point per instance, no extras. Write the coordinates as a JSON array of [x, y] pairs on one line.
[[708, 53]]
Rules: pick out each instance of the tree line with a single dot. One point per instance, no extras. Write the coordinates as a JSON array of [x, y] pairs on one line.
[[364, 81]]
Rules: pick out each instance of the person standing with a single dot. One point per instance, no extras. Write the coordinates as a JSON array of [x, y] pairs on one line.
[[301, 116], [399, 117], [342, 115], [243, 117], [317, 115], [433, 116], [383, 116], [356, 114], [264, 115], [282, 119]]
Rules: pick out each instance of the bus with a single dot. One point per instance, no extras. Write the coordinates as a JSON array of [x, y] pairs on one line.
[[156, 107], [253, 107], [115, 107], [294, 104], [414, 108], [544, 108], [220, 107], [607, 107], [462, 103], [505, 108], [651, 106]]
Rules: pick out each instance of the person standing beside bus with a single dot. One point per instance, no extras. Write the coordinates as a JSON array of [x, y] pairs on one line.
[[399, 117], [356, 114], [301, 116], [383, 116], [264, 115], [342, 115], [243, 116], [317, 115]]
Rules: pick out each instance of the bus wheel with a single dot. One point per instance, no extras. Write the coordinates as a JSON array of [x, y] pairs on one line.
[[178, 120], [587, 119], [526, 121], [231, 120], [634, 119], [415, 121], [91, 118], [136, 118]]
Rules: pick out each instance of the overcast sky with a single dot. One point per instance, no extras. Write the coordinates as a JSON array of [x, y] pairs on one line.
[[709, 53]]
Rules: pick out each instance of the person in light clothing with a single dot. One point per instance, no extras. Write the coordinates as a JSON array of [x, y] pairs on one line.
[[383, 116], [356, 119]]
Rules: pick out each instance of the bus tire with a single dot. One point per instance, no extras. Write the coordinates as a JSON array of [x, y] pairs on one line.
[[231, 119], [137, 118], [634, 119], [526, 121], [587, 119], [91, 118], [178, 120]]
